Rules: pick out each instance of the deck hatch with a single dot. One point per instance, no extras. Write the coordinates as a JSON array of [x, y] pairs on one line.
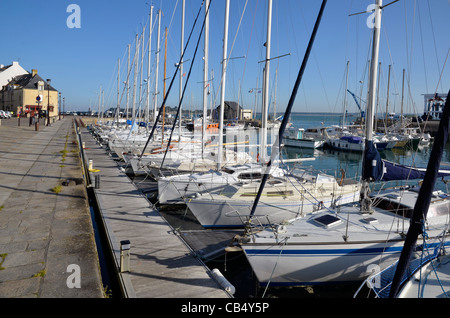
[[327, 220]]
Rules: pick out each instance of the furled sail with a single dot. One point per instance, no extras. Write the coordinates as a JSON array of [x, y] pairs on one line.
[[393, 171], [377, 169]]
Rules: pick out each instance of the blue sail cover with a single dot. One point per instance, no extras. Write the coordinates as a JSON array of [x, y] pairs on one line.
[[352, 139], [393, 171], [372, 164]]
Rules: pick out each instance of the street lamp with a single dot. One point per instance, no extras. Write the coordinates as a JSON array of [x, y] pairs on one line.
[[48, 104]]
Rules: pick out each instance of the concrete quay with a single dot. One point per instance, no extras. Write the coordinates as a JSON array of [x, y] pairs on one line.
[[47, 245]]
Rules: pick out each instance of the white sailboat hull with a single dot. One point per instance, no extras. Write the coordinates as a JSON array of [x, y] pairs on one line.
[[178, 188], [348, 249], [223, 213], [345, 145], [296, 265], [303, 143]]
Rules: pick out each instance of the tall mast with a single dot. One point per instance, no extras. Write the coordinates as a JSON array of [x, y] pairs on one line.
[[373, 70], [128, 83], [103, 102], [368, 163], [222, 94], [141, 72], [265, 104], [136, 57], [99, 102], [205, 74], [345, 95], [165, 63], [275, 95], [164, 87], [288, 111], [118, 91], [183, 6], [403, 91], [378, 95], [147, 109], [157, 66], [387, 99]]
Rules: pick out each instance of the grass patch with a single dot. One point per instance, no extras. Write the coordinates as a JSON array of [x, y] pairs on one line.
[[57, 189], [40, 273], [1, 207], [2, 256]]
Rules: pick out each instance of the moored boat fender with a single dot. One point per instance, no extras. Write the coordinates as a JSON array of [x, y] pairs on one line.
[[223, 281]]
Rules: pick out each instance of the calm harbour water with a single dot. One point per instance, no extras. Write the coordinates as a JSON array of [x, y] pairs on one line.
[[332, 161], [234, 265]]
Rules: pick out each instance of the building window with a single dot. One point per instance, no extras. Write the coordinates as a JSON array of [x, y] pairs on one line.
[[40, 86]]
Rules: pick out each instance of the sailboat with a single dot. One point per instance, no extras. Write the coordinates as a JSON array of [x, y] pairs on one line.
[[286, 196], [181, 186], [423, 272], [193, 155], [344, 244]]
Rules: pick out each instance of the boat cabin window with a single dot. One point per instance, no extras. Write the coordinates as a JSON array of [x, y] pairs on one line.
[[228, 170], [250, 175], [274, 182], [281, 193]]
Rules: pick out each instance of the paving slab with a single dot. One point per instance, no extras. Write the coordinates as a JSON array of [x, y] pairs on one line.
[[45, 227]]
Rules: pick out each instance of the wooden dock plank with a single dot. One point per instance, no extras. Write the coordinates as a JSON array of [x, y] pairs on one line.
[[162, 265]]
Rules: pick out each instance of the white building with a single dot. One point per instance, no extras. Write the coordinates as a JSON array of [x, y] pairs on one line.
[[434, 106], [7, 73]]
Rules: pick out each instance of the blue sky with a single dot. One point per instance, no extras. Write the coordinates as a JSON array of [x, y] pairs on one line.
[[414, 36]]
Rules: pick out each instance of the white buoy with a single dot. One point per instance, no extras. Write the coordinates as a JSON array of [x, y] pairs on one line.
[[223, 281]]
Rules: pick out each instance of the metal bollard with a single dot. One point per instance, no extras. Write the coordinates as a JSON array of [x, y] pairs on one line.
[[91, 164], [97, 181], [36, 126], [125, 256]]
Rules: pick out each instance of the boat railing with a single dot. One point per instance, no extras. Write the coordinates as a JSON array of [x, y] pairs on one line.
[[380, 282]]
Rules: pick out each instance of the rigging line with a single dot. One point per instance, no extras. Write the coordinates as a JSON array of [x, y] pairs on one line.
[[412, 34], [391, 63], [283, 125], [184, 90], [237, 31], [231, 50], [423, 53], [434, 38], [275, 266], [250, 40], [129, 72], [318, 68], [122, 62], [406, 39], [442, 72], [171, 83]]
